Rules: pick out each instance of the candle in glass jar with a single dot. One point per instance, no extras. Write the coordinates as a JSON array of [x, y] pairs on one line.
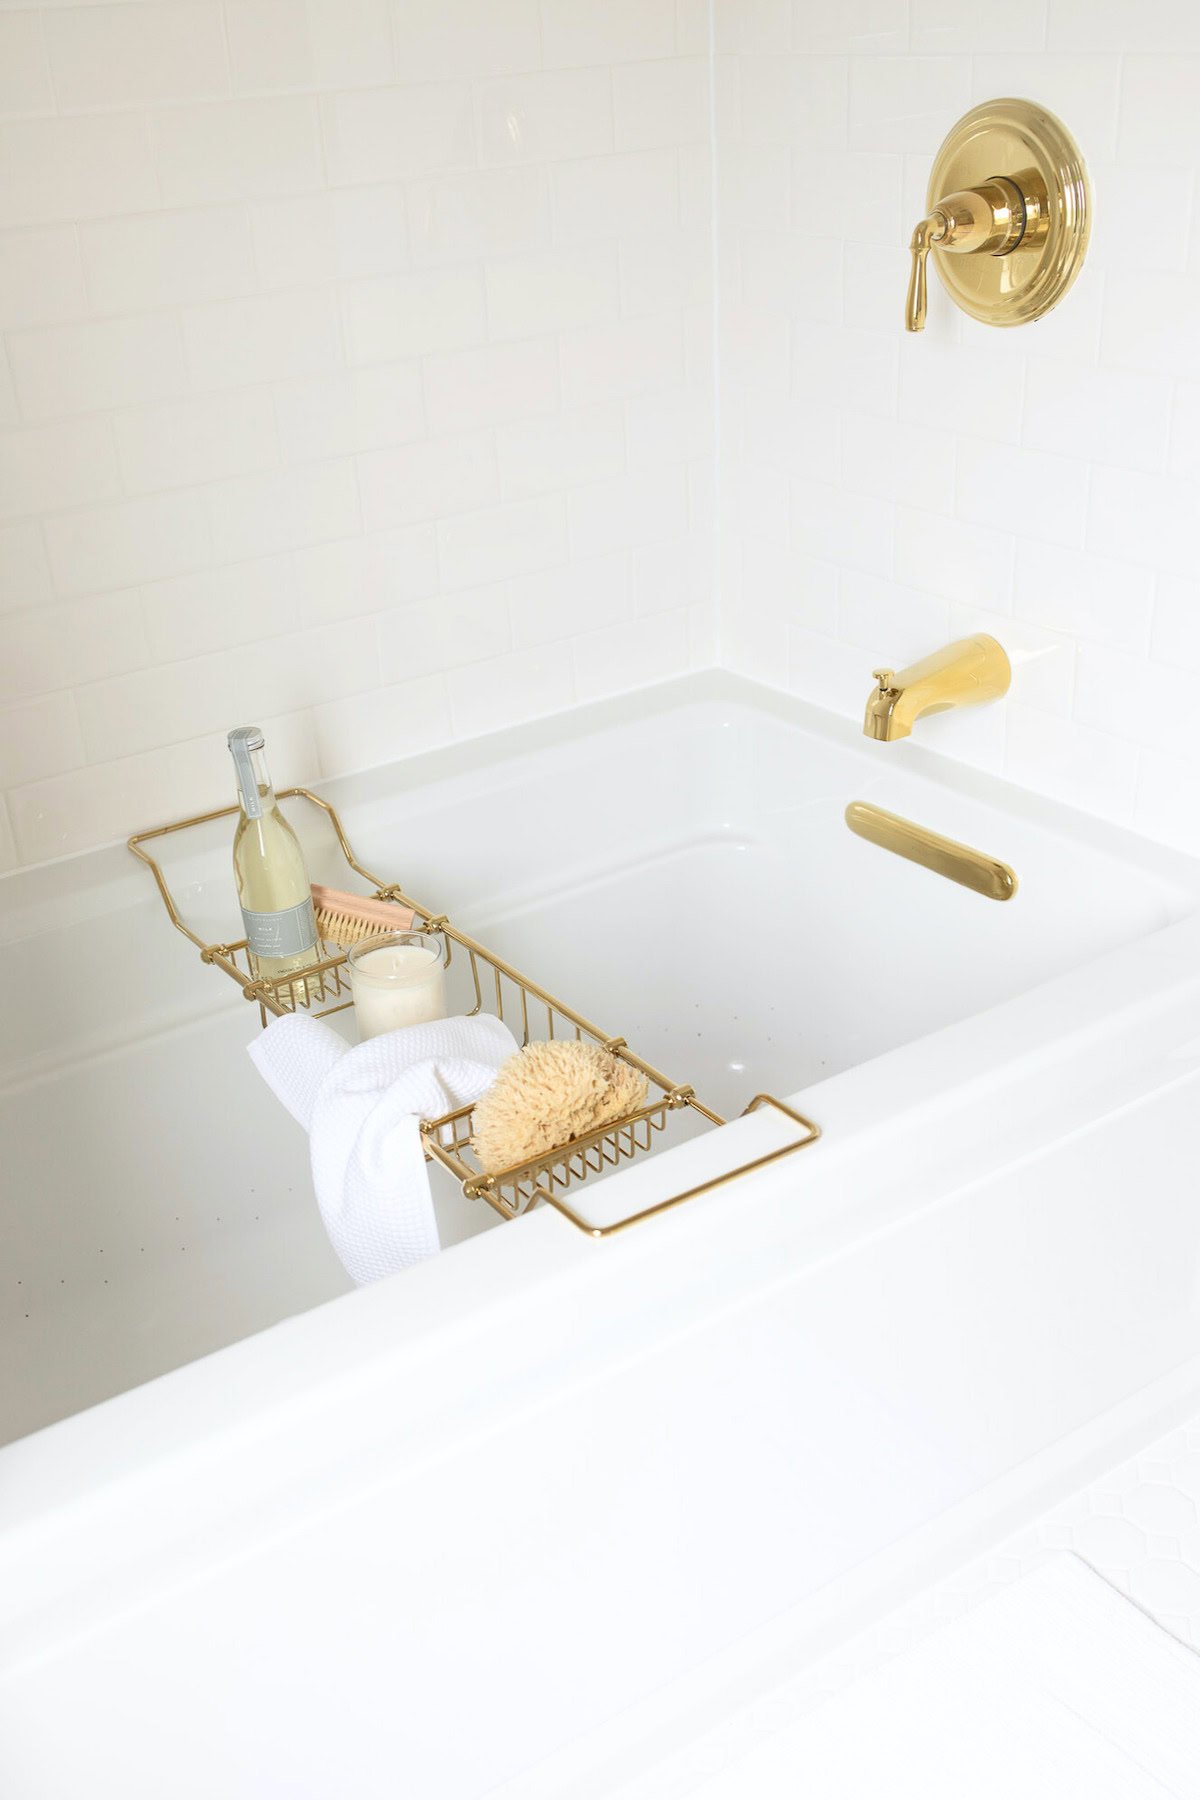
[[397, 979]]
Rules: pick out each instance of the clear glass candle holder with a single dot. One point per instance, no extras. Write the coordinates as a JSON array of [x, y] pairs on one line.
[[397, 979]]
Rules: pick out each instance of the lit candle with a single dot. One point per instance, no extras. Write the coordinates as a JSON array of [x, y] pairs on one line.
[[397, 979]]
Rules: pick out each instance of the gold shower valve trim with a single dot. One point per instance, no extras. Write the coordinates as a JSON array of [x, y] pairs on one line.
[[1008, 215]]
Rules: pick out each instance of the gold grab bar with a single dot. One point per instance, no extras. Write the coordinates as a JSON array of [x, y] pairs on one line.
[[945, 856]]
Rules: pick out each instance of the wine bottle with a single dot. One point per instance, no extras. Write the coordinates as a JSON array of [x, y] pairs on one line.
[[268, 866]]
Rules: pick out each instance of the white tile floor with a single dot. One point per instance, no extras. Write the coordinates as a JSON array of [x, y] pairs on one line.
[[1137, 1526]]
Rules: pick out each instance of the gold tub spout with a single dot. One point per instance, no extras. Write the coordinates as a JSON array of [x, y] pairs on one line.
[[964, 673]]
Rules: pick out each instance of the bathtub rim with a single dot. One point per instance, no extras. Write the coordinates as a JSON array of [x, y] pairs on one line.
[[63, 894], [107, 872]]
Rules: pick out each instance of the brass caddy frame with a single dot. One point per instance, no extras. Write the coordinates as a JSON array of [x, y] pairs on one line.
[[325, 989]]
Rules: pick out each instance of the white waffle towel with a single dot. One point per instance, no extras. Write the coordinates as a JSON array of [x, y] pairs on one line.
[[361, 1109]]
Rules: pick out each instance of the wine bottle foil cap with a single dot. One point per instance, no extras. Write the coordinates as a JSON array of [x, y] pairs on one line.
[[249, 735]]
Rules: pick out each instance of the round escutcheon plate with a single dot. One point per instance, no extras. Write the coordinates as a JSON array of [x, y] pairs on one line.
[[1022, 142]]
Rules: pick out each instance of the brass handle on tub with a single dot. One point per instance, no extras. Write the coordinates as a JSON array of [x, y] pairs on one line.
[[973, 869]]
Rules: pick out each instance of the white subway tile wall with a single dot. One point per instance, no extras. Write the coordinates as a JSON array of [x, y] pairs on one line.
[[358, 372], [880, 491], [357, 378]]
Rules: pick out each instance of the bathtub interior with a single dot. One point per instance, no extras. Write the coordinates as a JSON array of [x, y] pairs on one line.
[[684, 878]]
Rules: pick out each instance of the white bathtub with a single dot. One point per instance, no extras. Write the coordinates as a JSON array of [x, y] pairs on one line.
[[544, 1501]]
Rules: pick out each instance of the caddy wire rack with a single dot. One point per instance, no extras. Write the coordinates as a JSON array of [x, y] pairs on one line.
[[486, 983]]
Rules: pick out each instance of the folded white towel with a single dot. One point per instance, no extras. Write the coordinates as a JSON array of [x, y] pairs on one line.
[[361, 1109]]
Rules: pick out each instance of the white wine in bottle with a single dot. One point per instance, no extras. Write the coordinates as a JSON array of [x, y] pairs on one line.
[[268, 866]]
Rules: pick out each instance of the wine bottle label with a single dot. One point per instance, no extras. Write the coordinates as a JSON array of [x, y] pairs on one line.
[[288, 933]]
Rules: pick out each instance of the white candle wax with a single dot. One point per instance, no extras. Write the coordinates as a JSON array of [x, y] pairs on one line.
[[397, 984]]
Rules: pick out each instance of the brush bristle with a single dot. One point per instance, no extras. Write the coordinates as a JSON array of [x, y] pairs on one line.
[[345, 919], [340, 929]]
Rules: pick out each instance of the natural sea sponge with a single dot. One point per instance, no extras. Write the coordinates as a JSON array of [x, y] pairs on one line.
[[547, 1095]]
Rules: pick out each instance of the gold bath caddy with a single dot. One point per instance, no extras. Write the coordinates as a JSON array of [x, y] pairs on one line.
[[529, 1011]]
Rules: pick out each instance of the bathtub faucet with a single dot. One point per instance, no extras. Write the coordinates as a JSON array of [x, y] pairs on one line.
[[963, 674]]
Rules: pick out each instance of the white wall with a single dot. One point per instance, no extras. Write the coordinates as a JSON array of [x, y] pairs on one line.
[[356, 379], [358, 375], [885, 492]]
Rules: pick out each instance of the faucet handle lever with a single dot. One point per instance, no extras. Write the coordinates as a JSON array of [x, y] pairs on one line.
[[930, 231]]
